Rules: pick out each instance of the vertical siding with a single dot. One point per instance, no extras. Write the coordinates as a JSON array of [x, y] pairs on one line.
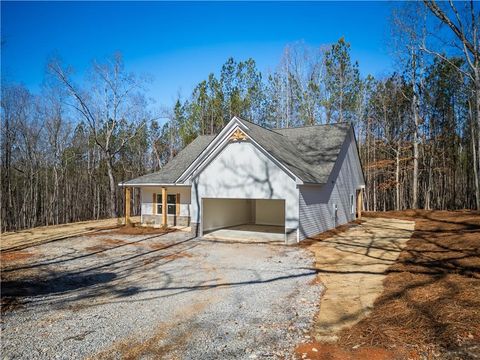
[[316, 202]]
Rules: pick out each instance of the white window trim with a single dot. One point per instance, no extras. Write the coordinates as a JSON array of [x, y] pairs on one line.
[[160, 204]]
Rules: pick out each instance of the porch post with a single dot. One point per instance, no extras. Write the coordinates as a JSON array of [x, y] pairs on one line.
[[359, 203], [164, 206], [127, 205]]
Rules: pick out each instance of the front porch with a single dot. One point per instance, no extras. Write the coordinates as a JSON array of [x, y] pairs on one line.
[[161, 206]]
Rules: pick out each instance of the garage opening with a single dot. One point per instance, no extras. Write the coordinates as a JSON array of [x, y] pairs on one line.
[[253, 220]]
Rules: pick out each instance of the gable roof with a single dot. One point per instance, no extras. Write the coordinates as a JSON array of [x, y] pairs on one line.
[[318, 145], [308, 152], [281, 149]]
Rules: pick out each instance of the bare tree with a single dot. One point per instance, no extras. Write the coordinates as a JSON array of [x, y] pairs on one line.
[[305, 67], [14, 101], [408, 33], [111, 106], [463, 24]]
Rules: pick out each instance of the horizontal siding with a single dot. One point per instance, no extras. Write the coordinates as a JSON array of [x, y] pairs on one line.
[[316, 206], [147, 198]]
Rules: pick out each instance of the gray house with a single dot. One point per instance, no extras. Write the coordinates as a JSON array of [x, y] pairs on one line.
[[297, 181]]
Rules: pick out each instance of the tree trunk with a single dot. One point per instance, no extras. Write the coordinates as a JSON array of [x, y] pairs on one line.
[[474, 152], [428, 192], [9, 220], [397, 178], [374, 179], [477, 100], [415, 136], [111, 183]]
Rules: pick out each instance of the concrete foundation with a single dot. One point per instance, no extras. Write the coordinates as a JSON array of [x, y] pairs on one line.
[[291, 236], [195, 229], [172, 220]]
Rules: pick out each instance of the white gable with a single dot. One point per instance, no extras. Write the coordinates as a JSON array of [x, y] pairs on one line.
[[242, 170]]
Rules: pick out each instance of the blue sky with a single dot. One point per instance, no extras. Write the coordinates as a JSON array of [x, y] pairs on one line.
[[179, 44]]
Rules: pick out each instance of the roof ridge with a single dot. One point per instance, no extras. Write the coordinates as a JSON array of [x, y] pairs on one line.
[[309, 158], [274, 130], [263, 127], [316, 125]]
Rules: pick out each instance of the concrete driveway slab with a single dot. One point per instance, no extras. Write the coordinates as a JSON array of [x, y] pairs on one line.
[[249, 233]]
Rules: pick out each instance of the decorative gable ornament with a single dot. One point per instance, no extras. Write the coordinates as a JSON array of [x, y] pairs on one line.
[[238, 135]]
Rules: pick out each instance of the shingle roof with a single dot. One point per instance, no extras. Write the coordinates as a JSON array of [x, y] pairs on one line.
[[282, 150], [318, 145], [308, 152], [175, 167]]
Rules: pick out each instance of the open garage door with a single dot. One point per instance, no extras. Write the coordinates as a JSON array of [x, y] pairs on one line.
[[253, 220]]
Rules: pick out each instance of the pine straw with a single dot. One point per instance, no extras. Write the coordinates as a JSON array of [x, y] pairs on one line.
[[431, 297]]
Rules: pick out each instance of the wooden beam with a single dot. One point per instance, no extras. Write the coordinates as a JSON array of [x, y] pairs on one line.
[[164, 206], [128, 197], [359, 203]]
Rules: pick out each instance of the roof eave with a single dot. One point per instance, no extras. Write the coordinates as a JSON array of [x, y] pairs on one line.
[[312, 183], [126, 184]]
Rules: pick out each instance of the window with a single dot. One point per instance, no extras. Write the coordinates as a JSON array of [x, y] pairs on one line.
[[171, 204], [159, 203], [352, 207]]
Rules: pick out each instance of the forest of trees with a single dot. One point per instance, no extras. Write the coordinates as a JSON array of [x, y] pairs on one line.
[[65, 149]]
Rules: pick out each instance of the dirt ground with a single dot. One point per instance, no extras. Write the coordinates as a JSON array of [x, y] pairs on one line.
[[19, 240], [352, 267], [430, 304], [111, 292]]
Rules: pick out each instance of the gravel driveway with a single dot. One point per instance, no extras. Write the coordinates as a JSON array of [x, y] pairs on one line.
[[156, 296]]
